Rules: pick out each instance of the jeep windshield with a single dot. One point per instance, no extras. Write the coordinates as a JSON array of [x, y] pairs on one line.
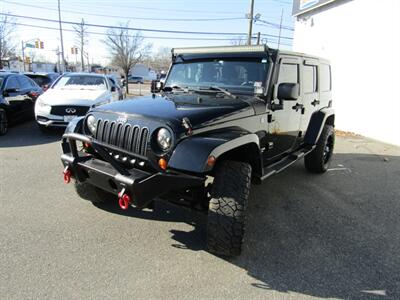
[[233, 75]]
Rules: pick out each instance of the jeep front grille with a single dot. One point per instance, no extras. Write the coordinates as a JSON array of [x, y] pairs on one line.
[[125, 136]]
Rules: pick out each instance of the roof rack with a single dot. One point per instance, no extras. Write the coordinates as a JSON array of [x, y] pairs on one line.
[[220, 49]]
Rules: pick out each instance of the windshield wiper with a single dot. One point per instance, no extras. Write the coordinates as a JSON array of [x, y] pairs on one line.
[[174, 87], [226, 92]]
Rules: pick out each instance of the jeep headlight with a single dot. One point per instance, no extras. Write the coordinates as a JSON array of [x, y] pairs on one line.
[[164, 139], [91, 123]]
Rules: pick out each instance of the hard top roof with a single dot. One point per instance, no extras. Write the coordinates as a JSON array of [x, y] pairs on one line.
[[245, 49]]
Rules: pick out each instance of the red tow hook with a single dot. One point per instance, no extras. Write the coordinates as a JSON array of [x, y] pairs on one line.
[[67, 175], [124, 200]]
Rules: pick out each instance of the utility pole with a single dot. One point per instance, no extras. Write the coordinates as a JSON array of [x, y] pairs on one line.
[[250, 16], [258, 38], [23, 54], [280, 30], [58, 60], [82, 62], [61, 37]]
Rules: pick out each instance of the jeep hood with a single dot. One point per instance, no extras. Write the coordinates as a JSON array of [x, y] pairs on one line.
[[200, 109]]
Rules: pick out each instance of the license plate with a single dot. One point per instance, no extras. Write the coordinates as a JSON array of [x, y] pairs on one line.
[[68, 118]]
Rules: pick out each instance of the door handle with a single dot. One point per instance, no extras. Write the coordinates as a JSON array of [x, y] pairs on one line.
[[315, 102], [297, 106]]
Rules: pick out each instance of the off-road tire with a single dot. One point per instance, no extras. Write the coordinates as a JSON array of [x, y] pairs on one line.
[[318, 160], [3, 121], [92, 193], [227, 208]]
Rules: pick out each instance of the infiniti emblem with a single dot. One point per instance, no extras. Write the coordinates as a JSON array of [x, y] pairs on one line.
[[70, 110]]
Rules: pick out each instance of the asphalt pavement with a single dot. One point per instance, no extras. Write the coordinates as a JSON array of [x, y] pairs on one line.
[[326, 236]]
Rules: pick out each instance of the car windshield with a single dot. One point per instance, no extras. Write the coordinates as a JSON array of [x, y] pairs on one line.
[[230, 74], [81, 82]]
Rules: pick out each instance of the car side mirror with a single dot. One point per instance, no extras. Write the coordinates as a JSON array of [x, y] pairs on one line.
[[156, 86], [288, 91], [113, 89]]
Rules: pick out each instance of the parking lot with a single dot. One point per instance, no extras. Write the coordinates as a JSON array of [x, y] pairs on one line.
[[330, 236]]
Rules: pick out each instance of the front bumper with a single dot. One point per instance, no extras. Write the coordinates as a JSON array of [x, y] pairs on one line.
[[112, 176], [51, 121]]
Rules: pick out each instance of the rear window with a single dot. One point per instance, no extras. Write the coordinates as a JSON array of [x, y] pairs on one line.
[[325, 82], [40, 80]]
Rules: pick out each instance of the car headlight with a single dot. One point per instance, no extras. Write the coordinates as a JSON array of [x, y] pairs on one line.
[[91, 123], [164, 138], [41, 103]]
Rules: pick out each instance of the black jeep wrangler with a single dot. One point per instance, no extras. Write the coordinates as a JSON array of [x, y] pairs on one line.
[[224, 118]]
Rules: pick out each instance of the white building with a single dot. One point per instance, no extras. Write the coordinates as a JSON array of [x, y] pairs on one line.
[[362, 40], [142, 70]]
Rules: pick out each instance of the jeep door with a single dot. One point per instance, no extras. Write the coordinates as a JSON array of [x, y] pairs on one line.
[[285, 125], [309, 91]]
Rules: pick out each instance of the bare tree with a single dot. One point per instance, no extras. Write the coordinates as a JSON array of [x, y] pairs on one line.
[[238, 41], [161, 60], [126, 50], [81, 34], [7, 43]]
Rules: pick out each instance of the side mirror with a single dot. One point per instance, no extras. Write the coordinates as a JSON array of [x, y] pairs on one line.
[[288, 91], [156, 86], [113, 89]]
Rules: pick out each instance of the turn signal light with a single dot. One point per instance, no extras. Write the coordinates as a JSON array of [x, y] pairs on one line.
[[211, 161], [162, 163]]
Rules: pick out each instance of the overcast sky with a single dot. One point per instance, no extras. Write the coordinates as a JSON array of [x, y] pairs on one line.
[[117, 12]]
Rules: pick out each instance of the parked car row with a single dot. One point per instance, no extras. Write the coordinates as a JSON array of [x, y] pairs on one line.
[[18, 94], [52, 99]]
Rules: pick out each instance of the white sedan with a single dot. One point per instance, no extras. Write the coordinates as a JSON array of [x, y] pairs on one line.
[[72, 95]]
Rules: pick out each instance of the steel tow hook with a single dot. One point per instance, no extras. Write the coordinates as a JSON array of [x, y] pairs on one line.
[[124, 200]]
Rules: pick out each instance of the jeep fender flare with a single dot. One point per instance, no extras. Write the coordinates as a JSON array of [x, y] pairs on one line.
[[192, 153], [317, 123]]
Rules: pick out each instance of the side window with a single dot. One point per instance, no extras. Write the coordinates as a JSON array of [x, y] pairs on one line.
[[12, 83], [112, 82], [288, 73], [24, 82], [325, 83], [309, 79]]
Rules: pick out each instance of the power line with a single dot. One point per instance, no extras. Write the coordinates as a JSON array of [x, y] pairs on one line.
[[145, 37], [274, 25], [106, 5], [123, 17], [125, 27], [138, 29]]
